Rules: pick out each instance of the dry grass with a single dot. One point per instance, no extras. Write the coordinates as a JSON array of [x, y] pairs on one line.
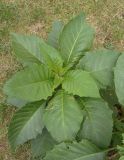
[[35, 17]]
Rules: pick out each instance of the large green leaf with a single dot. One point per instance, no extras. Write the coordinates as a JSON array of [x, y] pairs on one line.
[[27, 48], [100, 64], [32, 84], [26, 124], [84, 150], [79, 82], [77, 36], [98, 123], [63, 117], [119, 79], [51, 57], [42, 144], [53, 37]]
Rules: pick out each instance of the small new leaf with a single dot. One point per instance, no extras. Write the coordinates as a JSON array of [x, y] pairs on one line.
[[51, 57]]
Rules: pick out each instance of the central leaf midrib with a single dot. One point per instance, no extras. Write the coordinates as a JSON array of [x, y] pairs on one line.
[[74, 44], [63, 119]]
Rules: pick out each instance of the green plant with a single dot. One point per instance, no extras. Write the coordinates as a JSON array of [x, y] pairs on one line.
[[66, 94]]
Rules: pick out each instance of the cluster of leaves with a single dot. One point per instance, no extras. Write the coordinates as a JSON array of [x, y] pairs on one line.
[[66, 94]]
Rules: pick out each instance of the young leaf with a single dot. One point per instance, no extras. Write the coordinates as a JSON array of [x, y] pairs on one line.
[[32, 84], [77, 37], [119, 79], [26, 124], [53, 37], [57, 81], [84, 150], [51, 57], [100, 64], [79, 82], [98, 124], [63, 117], [27, 48], [42, 144]]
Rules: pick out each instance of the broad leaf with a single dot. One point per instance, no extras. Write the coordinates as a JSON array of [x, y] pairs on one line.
[[98, 124], [16, 102], [63, 117], [79, 82], [119, 79], [100, 64], [32, 84], [26, 124], [42, 144], [53, 37], [27, 48], [84, 150], [77, 37], [51, 57]]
